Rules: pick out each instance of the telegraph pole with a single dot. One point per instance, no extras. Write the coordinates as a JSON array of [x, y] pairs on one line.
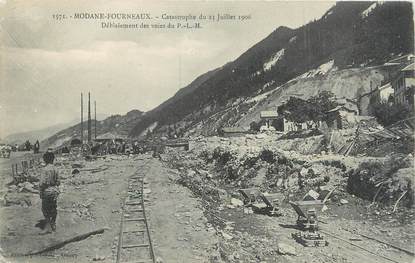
[[95, 112], [89, 117], [82, 119]]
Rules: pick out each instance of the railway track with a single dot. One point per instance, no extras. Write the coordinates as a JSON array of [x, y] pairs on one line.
[[134, 241]]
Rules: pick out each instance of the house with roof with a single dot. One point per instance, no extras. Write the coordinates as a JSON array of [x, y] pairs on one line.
[[343, 116], [400, 59], [398, 87], [268, 117], [404, 86], [383, 93]]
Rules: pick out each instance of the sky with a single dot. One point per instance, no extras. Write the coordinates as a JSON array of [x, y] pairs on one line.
[[45, 63]]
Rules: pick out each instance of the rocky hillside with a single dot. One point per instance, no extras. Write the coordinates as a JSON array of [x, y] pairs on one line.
[[118, 125], [332, 53]]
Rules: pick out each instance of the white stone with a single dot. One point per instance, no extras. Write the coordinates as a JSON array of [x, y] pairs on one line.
[[343, 201], [285, 249], [236, 202]]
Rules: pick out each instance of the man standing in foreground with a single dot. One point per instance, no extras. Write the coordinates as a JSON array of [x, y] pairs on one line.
[[49, 190]]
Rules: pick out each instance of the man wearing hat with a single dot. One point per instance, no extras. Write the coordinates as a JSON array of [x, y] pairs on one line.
[[49, 190]]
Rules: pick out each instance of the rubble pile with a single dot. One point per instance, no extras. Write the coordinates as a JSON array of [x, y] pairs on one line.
[[194, 175], [384, 182], [83, 209], [242, 245], [308, 145], [265, 169], [31, 175], [23, 189]]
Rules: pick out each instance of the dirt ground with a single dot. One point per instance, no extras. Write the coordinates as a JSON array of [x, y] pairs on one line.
[[88, 201], [186, 226], [92, 200], [177, 223]]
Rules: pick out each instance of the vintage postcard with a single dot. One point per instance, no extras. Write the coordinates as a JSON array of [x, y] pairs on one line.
[[207, 131]]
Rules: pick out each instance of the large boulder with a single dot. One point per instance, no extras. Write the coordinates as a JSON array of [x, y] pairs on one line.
[[285, 249]]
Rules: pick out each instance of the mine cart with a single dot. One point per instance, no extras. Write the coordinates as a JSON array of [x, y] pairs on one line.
[[273, 202], [307, 220], [252, 196], [249, 195]]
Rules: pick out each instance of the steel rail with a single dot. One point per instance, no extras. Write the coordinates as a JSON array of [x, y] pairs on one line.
[[146, 243]]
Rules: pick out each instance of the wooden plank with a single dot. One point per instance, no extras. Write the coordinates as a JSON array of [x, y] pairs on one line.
[[139, 261], [133, 203], [133, 210], [134, 231], [134, 219], [135, 245], [60, 244]]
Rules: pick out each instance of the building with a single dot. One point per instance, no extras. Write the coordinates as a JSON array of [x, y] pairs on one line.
[[404, 85], [384, 93], [268, 117], [348, 104], [232, 131], [289, 126], [344, 115]]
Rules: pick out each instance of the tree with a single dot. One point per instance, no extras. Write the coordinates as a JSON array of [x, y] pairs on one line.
[[256, 126], [324, 102], [299, 110], [387, 113], [313, 109], [278, 124]]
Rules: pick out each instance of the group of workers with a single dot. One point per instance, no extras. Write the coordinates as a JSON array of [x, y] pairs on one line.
[[5, 150], [118, 147], [282, 170]]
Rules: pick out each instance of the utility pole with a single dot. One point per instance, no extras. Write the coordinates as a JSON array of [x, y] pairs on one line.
[[89, 117], [95, 111], [82, 119]]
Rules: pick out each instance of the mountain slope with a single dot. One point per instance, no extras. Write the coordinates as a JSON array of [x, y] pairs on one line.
[[349, 35], [41, 134], [118, 125], [32, 136]]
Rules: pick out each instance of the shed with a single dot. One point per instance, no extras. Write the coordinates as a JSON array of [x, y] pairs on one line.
[[268, 116], [233, 131]]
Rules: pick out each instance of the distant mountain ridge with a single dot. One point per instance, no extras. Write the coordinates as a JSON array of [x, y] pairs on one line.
[[32, 136], [343, 52], [118, 125], [349, 35], [42, 134]]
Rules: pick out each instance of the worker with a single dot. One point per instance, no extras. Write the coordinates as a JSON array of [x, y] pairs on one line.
[[302, 174], [36, 147], [283, 172], [49, 191]]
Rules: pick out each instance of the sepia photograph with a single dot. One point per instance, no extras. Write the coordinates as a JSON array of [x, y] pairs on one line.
[[207, 131]]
